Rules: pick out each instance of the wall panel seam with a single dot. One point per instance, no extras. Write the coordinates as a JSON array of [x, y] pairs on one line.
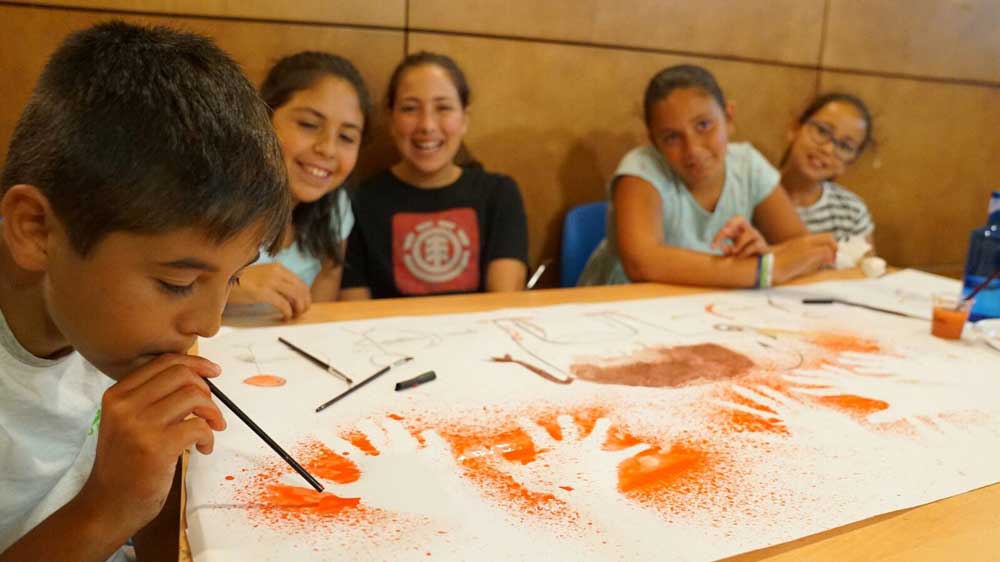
[[406, 28], [822, 43], [712, 56]]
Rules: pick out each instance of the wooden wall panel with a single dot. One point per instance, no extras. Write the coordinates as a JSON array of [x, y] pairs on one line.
[[929, 180], [389, 13], [558, 117], [255, 45], [774, 30], [940, 38], [561, 127]]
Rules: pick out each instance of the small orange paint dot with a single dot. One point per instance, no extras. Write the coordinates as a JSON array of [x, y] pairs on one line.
[[230, 477]]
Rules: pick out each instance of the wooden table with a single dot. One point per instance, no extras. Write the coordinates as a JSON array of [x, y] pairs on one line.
[[965, 527]]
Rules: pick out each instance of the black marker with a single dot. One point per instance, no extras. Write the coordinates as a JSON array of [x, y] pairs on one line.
[[416, 381]]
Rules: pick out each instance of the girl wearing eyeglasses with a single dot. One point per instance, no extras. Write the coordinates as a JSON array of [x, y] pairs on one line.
[[829, 135]]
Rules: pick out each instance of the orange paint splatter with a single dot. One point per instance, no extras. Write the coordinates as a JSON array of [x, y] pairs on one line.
[[230, 477], [265, 381], [551, 426], [514, 445], [742, 421], [855, 405], [654, 470], [307, 500], [396, 417], [360, 440], [618, 440], [329, 465], [587, 417], [567, 488], [842, 343]]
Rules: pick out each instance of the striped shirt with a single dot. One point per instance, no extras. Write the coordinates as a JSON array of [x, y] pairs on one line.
[[837, 211]]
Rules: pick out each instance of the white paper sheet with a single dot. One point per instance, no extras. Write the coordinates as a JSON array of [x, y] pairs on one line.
[[694, 428]]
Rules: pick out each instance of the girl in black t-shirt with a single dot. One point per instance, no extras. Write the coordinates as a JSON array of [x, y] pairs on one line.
[[428, 225]]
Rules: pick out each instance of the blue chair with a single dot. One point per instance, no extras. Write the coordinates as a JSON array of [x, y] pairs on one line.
[[583, 230]]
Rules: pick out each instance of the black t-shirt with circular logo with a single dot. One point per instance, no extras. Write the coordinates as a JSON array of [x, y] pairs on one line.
[[409, 241]]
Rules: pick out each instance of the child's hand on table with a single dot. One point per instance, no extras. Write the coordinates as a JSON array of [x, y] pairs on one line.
[[738, 238], [276, 285]]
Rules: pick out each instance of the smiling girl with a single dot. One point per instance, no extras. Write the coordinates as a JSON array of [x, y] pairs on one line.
[[827, 138], [428, 225], [692, 208], [320, 112]]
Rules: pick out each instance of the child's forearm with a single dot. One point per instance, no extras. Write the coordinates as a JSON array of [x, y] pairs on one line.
[[159, 541], [669, 264], [83, 530]]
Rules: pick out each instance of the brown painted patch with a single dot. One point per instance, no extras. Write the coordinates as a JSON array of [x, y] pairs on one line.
[[533, 368], [669, 366]]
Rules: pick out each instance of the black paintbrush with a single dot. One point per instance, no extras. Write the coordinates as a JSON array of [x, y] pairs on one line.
[[267, 439], [378, 374], [859, 305]]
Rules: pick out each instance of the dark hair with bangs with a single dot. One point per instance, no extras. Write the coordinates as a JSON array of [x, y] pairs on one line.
[[427, 58], [146, 130], [679, 77], [317, 224]]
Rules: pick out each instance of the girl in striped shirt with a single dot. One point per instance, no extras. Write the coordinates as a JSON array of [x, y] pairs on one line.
[[829, 136]]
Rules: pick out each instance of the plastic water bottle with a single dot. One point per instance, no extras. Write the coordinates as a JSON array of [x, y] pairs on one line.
[[984, 259]]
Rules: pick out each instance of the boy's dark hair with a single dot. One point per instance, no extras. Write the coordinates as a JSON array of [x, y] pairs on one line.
[[147, 130], [821, 102], [464, 157], [317, 224], [678, 77]]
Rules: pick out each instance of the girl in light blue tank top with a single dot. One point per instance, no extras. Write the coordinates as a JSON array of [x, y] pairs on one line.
[[692, 208], [320, 112]]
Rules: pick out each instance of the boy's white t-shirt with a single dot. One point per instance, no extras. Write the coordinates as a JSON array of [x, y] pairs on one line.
[[49, 415]]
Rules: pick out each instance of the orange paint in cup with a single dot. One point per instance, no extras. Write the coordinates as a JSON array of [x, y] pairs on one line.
[[949, 315]]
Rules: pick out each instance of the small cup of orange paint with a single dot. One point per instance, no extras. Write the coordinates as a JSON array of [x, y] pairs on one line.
[[950, 315]]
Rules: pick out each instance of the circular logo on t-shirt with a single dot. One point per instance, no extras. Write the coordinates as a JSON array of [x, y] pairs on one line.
[[437, 252]]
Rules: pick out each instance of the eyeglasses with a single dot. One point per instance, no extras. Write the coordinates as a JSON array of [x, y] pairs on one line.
[[821, 134]]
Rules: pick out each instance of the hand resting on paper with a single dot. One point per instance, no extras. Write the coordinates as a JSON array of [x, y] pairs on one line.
[[274, 284]]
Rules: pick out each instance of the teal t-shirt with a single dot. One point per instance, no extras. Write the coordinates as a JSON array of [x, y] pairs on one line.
[[750, 179], [305, 266]]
